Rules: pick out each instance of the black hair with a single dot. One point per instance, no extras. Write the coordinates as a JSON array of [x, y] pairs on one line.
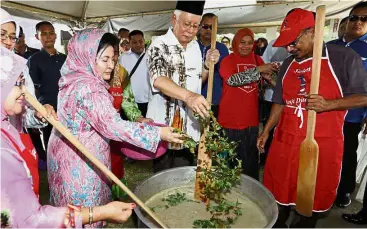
[[263, 40], [343, 20], [226, 38], [209, 15], [135, 32], [123, 30], [42, 23], [108, 39], [358, 6], [21, 31]]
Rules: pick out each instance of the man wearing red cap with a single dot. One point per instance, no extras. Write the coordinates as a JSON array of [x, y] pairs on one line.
[[343, 85]]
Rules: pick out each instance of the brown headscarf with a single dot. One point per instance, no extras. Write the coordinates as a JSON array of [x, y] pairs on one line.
[[238, 37]]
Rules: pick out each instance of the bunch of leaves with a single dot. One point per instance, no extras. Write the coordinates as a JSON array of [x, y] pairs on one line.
[[117, 192], [226, 173], [173, 200], [224, 215], [219, 179], [188, 141], [5, 219]]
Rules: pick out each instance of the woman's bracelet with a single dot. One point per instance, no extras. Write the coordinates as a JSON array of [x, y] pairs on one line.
[[90, 215]]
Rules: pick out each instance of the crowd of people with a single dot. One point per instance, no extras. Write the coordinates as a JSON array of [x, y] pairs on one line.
[[114, 89]]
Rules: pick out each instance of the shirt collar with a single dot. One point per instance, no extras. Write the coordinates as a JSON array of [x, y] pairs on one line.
[[44, 50], [363, 38], [202, 43]]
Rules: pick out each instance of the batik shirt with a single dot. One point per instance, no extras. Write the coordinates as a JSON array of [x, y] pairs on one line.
[[167, 58]]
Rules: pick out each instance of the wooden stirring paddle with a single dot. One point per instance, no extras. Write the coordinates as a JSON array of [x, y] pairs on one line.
[[205, 158], [309, 150], [73, 140]]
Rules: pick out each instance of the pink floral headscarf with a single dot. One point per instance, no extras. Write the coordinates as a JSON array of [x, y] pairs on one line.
[[80, 64], [11, 67], [5, 17]]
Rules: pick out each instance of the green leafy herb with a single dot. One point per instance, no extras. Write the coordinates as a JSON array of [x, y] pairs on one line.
[[219, 179], [175, 199]]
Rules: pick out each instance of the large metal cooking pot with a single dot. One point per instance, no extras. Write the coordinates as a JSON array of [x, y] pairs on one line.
[[185, 175]]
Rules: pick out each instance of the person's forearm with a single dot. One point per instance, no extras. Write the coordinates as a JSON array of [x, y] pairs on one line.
[[353, 101], [97, 215], [170, 88], [276, 112], [205, 75]]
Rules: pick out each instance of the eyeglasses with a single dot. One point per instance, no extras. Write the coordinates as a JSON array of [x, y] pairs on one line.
[[207, 27], [188, 25], [5, 36], [354, 18], [295, 42]]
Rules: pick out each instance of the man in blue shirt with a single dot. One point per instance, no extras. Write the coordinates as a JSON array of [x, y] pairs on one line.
[[204, 40], [44, 68], [355, 38]]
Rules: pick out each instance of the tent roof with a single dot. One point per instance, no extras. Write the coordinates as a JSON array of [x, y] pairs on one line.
[[155, 15]]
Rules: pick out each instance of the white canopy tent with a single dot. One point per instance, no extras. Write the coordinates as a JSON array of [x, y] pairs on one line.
[[154, 16]]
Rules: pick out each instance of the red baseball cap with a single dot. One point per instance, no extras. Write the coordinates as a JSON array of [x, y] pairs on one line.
[[292, 26]]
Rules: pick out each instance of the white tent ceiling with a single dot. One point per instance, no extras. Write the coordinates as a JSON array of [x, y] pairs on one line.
[[155, 15]]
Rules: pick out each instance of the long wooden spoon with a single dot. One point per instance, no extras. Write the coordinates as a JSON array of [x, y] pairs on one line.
[[309, 150], [204, 158]]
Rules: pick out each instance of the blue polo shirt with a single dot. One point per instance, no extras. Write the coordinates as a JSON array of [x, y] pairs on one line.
[[44, 70], [217, 84], [359, 46]]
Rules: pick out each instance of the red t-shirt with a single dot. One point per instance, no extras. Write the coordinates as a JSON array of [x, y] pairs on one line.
[[239, 106]]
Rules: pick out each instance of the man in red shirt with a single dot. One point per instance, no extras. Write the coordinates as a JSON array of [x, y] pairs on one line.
[[343, 85]]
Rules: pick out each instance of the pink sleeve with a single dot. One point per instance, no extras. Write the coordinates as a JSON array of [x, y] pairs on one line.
[[101, 114], [19, 200]]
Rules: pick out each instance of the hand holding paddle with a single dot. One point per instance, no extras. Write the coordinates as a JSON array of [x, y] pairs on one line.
[[309, 150]]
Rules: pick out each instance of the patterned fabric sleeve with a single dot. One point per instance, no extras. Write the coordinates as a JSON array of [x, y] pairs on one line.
[[243, 78], [157, 64], [19, 201], [104, 118], [129, 105]]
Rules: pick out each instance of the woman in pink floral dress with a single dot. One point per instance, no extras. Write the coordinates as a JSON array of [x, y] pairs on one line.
[[85, 108], [19, 205]]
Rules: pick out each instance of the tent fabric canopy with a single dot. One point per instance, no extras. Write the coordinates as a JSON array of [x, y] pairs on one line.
[[234, 17], [155, 15]]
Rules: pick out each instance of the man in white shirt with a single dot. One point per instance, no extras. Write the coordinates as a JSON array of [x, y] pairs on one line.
[[176, 74], [140, 77]]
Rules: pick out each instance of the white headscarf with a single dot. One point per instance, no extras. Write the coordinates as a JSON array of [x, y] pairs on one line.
[[5, 17]]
